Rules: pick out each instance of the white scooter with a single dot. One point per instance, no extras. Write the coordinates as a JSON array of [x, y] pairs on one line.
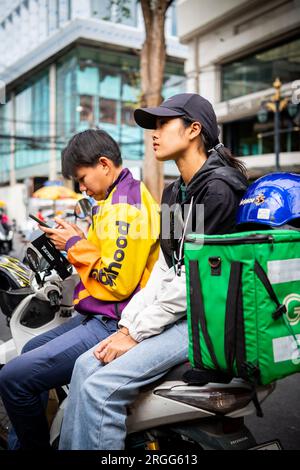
[[168, 414]]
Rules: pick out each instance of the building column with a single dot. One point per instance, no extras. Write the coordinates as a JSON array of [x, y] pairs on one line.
[[191, 68], [12, 171], [52, 120], [210, 83]]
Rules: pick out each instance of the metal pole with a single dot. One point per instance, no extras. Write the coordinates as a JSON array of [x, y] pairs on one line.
[[277, 135]]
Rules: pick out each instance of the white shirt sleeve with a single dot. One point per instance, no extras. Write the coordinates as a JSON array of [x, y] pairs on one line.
[[161, 303]]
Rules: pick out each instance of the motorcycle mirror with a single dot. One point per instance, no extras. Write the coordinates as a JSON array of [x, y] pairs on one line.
[[33, 260], [83, 208]]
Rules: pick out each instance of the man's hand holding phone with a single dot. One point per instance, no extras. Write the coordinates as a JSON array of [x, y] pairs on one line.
[[39, 221], [60, 235]]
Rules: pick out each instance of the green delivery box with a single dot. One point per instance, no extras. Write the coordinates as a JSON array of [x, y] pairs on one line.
[[243, 295]]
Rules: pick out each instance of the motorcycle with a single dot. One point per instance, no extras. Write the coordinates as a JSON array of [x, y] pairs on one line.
[[6, 239], [168, 413]]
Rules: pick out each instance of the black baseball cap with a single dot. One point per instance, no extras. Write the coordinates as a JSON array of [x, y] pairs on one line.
[[189, 105]]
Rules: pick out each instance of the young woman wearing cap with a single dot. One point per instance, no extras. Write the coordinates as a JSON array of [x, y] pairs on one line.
[[152, 336]]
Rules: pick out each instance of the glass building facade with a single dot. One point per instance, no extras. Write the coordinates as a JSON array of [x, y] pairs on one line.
[[94, 88], [32, 122], [250, 137], [28, 132], [25, 24], [5, 143], [254, 73], [258, 71]]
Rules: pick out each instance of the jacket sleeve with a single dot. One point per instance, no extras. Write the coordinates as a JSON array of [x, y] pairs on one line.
[[112, 269], [160, 303]]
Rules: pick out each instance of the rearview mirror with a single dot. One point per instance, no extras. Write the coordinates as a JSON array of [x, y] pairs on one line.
[[33, 260], [83, 208]]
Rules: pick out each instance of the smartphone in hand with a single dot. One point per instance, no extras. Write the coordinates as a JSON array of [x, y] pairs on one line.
[[39, 221]]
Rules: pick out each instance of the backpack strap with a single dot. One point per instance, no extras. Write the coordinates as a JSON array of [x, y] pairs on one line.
[[281, 308], [235, 347], [198, 317], [234, 320]]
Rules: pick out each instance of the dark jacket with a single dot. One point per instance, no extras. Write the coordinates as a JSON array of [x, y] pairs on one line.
[[219, 187]]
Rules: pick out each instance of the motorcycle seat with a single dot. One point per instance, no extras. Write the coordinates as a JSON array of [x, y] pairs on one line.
[[175, 374]]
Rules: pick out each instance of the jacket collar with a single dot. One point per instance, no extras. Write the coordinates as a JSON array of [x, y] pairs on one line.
[[124, 174]]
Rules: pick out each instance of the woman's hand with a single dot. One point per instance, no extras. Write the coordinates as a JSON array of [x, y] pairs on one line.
[[114, 346], [60, 236]]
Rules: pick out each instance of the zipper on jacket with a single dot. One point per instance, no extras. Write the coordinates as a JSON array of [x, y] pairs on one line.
[[250, 239]]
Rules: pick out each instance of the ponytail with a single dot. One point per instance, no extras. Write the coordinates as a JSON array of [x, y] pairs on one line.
[[226, 155]]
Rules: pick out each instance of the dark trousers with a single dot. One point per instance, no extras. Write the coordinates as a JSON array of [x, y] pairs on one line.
[[46, 362]]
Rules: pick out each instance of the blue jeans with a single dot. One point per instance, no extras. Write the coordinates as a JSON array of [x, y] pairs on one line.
[[95, 415], [46, 362]]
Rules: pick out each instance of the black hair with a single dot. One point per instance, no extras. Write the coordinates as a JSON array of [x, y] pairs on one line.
[[223, 151], [85, 149]]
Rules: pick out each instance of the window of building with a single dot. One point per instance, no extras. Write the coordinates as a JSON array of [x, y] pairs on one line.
[[127, 114], [241, 137], [126, 14], [5, 125], [258, 71], [108, 111], [87, 79], [32, 122], [101, 9], [86, 108], [130, 84], [250, 137], [64, 11], [110, 83], [171, 20], [174, 19], [172, 85], [123, 12], [68, 98], [52, 15]]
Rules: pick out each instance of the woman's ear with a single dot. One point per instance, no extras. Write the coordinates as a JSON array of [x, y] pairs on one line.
[[195, 129]]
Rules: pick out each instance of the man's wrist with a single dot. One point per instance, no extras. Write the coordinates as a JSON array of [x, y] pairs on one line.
[[71, 241]]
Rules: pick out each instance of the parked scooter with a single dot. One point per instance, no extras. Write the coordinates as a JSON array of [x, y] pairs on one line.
[[6, 239], [44, 303], [37, 298], [167, 414]]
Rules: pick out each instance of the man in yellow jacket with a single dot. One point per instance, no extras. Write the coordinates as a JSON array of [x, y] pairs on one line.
[[113, 262]]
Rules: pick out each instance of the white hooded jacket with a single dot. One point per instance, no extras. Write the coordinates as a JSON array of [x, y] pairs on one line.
[[161, 302]]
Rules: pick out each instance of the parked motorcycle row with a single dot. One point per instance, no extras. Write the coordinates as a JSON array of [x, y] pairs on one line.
[[36, 296], [6, 233]]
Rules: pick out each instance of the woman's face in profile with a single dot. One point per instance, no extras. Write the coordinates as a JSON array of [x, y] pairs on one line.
[[170, 139]]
